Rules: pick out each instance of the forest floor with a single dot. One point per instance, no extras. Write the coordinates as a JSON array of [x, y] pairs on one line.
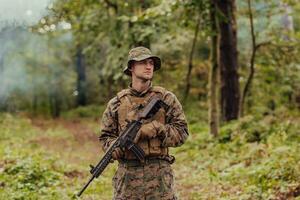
[[79, 145], [84, 147], [251, 159]]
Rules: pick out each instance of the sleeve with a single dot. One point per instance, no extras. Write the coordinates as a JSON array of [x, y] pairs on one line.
[[109, 124], [176, 130]]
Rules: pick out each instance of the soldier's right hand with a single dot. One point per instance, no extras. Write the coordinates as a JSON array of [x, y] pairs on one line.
[[117, 154]]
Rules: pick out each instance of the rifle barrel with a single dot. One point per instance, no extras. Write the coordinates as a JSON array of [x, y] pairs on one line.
[[85, 186]]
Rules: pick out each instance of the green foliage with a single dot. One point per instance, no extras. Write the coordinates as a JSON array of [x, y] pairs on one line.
[[195, 112], [84, 111], [29, 176], [35, 164], [25, 171], [106, 30], [12, 125], [256, 157]]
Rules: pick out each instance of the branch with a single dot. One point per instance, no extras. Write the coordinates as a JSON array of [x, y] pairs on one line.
[[252, 59], [190, 64], [257, 46]]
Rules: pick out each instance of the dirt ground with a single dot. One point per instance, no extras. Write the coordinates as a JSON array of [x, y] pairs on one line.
[[78, 145]]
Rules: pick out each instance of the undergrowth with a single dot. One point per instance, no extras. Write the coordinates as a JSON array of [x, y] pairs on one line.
[[255, 157]]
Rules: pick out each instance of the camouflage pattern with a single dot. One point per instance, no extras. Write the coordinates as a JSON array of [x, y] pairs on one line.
[[153, 181], [138, 54], [156, 176], [128, 110]]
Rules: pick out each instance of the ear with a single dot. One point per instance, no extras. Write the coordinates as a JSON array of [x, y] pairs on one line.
[[130, 67]]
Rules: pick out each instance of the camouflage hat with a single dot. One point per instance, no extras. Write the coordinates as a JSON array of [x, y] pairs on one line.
[[138, 54]]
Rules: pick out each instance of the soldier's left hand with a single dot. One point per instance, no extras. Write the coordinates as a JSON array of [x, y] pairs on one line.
[[150, 130]]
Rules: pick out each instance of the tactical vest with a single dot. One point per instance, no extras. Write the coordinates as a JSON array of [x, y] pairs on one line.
[[128, 109]]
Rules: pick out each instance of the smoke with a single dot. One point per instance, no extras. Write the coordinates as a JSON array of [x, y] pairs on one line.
[[32, 65], [21, 12], [29, 62], [13, 72]]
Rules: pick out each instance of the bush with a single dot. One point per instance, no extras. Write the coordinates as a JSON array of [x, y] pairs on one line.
[[32, 177], [93, 111]]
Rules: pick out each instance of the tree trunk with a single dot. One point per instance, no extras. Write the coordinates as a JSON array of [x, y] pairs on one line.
[[190, 65], [228, 60], [252, 59], [54, 94], [54, 104], [2, 89], [213, 78], [34, 100], [57, 104], [81, 78], [255, 47], [1, 64]]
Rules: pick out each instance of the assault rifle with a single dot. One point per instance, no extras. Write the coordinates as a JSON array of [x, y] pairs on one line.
[[126, 138]]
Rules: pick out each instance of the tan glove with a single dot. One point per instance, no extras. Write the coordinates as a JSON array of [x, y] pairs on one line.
[[150, 130], [117, 153]]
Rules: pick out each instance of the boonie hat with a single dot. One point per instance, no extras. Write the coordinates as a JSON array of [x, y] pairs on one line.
[[138, 54]]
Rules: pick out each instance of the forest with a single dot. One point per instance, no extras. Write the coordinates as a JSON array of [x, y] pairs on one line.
[[233, 64]]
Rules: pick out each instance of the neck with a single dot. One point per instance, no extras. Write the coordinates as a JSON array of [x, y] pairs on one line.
[[139, 84]]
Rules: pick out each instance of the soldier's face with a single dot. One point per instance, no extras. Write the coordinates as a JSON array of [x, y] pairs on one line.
[[143, 69]]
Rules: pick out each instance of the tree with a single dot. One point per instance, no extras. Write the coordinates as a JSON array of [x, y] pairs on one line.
[[255, 47], [228, 60], [190, 62], [214, 71], [81, 78]]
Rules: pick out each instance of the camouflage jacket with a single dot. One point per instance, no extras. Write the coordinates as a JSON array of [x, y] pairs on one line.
[[176, 131]]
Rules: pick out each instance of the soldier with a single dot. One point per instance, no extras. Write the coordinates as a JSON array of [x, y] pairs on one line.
[[154, 178]]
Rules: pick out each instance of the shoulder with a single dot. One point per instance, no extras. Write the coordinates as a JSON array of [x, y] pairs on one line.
[[167, 96], [163, 91], [113, 103], [122, 93], [170, 96], [172, 101], [158, 89]]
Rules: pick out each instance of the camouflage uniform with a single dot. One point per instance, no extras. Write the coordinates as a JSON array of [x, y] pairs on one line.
[[154, 179]]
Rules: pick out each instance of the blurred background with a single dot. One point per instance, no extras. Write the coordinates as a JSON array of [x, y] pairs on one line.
[[233, 64]]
